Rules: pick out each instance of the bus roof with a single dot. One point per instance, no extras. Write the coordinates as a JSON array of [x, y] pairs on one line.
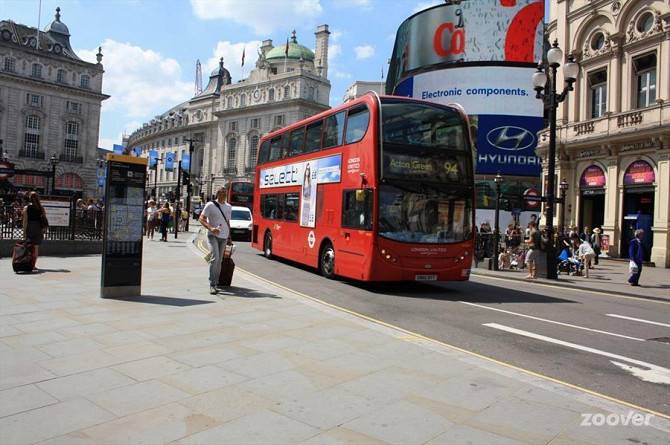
[[367, 98]]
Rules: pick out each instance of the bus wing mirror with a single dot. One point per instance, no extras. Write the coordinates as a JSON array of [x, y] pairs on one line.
[[360, 195]]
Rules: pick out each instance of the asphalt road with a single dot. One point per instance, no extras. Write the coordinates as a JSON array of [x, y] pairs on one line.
[[561, 333]]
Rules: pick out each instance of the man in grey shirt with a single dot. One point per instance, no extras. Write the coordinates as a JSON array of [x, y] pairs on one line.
[[215, 217]]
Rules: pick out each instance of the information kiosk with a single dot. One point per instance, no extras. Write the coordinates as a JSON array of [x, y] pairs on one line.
[[122, 239]]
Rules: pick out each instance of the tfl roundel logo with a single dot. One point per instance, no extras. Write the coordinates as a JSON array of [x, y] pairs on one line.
[[510, 138]]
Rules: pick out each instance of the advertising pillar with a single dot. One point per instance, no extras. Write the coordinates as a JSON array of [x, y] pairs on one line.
[[122, 236]]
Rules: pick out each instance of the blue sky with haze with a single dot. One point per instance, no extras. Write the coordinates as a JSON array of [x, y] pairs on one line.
[[150, 46]]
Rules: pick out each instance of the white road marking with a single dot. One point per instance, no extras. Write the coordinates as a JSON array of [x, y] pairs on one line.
[[639, 319], [553, 321], [653, 373]]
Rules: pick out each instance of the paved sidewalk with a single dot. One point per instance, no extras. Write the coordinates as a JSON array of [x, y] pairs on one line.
[[608, 276], [258, 365]]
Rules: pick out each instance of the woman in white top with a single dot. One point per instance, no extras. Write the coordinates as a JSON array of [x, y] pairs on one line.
[[152, 219], [586, 253]]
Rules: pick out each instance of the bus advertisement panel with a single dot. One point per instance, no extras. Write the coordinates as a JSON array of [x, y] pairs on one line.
[[308, 175]]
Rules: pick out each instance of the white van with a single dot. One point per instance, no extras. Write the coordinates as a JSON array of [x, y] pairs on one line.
[[241, 223]]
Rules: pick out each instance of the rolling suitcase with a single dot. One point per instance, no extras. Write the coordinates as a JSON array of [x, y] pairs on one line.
[[23, 259], [227, 269]]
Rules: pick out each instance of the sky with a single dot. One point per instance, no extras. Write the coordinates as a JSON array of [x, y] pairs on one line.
[[150, 47]]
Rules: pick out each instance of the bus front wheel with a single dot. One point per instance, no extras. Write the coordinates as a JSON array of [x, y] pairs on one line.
[[267, 245], [327, 261]]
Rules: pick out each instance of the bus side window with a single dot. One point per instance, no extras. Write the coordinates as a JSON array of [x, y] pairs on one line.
[[292, 206], [313, 137], [269, 206], [357, 209], [357, 124], [264, 153], [334, 131], [284, 146], [275, 148], [297, 142]]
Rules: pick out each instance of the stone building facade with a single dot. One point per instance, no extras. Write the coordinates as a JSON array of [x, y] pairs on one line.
[[288, 83], [50, 104], [613, 145]]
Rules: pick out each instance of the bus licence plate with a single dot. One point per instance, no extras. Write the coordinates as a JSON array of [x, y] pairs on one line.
[[426, 277]]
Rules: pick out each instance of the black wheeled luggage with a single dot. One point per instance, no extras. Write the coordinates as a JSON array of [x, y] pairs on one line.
[[227, 269], [23, 258]]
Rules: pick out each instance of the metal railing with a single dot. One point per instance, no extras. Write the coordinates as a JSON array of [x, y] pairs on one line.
[[83, 225]]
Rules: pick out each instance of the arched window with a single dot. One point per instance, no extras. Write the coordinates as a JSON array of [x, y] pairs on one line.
[[287, 92], [243, 100], [253, 150], [232, 162], [60, 76], [31, 140], [229, 102], [71, 146], [85, 81], [271, 94]]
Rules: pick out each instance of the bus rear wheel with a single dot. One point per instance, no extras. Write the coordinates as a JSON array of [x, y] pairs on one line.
[[327, 261], [267, 245]]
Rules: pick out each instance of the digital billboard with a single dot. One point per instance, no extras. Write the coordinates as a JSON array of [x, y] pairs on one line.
[[472, 31]]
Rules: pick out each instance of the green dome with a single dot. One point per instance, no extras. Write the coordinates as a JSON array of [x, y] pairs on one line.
[[295, 51]]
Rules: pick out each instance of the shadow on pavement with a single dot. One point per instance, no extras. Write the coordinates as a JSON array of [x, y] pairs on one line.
[[168, 301], [243, 292], [40, 271], [464, 291]]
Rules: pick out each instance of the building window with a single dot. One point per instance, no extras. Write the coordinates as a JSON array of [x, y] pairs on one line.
[[73, 107], [311, 93], [10, 64], [37, 70], [31, 141], [34, 100], [598, 85], [287, 92], [279, 120], [232, 142], [598, 41], [71, 146], [255, 123], [60, 76], [645, 22], [645, 70], [243, 100], [85, 81], [253, 150], [233, 126], [229, 102], [271, 94]]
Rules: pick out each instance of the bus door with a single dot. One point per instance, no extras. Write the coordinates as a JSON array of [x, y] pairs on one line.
[[353, 252]]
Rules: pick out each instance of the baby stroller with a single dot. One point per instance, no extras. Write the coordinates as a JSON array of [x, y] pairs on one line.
[[568, 264]]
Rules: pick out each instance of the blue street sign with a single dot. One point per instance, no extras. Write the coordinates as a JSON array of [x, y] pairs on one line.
[[118, 149], [153, 159], [185, 161]]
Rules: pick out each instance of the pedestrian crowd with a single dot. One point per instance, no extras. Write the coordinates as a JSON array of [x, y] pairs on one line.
[[162, 217]]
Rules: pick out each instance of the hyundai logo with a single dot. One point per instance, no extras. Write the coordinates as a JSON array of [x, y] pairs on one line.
[[510, 138]]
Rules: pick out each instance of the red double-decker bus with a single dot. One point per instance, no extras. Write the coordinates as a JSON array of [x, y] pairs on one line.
[[377, 189], [241, 192]]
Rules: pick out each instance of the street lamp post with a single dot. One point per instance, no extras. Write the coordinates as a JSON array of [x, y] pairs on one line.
[[53, 161], [552, 98], [563, 186], [496, 235], [189, 186]]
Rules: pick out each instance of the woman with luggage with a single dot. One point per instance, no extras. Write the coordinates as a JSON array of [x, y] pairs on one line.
[[34, 224]]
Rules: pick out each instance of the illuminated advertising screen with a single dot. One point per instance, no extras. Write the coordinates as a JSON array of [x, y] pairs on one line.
[[473, 31]]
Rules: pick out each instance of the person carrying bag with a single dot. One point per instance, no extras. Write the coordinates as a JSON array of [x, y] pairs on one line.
[[215, 218]]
